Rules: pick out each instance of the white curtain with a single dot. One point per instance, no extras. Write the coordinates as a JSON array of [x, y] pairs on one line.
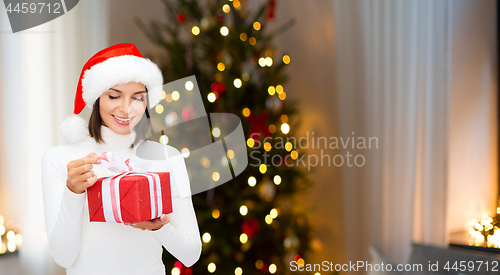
[[420, 75], [38, 78]]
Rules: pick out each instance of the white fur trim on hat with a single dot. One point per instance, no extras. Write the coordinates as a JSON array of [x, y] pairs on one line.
[[74, 129], [120, 70]]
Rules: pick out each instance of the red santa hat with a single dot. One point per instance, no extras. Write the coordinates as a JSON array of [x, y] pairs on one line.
[[118, 64]]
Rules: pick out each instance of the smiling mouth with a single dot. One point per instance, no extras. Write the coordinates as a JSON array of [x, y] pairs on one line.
[[122, 119]]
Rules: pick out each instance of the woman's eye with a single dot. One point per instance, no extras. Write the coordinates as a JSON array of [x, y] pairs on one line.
[[139, 98], [112, 97]]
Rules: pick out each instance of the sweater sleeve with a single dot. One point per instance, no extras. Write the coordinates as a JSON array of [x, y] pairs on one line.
[[63, 212], [181, 236]]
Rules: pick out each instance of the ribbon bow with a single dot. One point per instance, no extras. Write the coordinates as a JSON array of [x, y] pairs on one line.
[[111, 189], [114, 162]]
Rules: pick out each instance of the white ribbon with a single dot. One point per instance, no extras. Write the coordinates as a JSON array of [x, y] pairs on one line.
[[111, 188]]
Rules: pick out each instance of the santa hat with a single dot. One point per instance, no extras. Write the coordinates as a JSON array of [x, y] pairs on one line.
[[118, 64]]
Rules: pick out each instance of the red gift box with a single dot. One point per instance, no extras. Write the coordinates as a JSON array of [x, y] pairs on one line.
[[130, 197]]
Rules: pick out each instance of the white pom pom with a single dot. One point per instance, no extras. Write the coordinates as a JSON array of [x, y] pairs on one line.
[[74, 129]]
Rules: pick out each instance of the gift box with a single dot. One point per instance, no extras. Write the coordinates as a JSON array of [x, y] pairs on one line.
[[133, 195]]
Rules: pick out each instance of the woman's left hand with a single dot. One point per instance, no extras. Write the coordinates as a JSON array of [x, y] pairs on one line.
[[151, 225]]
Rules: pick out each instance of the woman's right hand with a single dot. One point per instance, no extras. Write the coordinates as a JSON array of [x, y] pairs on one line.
[[80, 174]]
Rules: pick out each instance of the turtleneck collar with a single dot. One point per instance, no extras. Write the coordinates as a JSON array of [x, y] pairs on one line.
[[114, 139]]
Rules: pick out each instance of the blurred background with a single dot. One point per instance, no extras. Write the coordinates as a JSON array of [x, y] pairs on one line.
[[417, 79]]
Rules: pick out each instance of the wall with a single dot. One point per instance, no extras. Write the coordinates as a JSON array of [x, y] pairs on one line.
[[473, 150]]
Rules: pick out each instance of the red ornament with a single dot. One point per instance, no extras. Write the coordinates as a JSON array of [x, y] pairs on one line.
[[218, 87], [259, 125], [178, 264], [181, 18], [271, 9], [250, 227], [184, 270], [265, 268]]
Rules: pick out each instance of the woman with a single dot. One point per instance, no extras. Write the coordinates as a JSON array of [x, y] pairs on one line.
[[119, 85]]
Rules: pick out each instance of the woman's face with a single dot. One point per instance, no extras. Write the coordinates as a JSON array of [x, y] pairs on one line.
[[123, 106]]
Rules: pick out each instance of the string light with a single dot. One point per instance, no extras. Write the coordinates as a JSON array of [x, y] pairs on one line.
[[252, 181], [272, 268], [262, 168], [211, 97], [224, 31], [216, 132], [243, 210], [237, 83], [294, 155], [246, 76], [243, 36], [11, 246], [159, 109], [226, 8], [267, 146], [282, 96], [164, 139], [211, 267], [221, 67], [268, 219], [269, 61], [286, 59], [246, 112], [288, 146], [238, 271], [284, 118], [215, 213], [483, 230], [176, 271], [175, 95], [236, 3], [279, 89], [300, 263], [285, 128], [277, 180], [163, 94], [272, 128], [252, 41], [195, 30], [262, 62], [271, 90], [259, 264], [243, 238], [168, 98], [11, 235], [250, 142], [256, 25], [206, 237], [274, 213], [185, 152], [215, 176], [205, 162], [189, 85]]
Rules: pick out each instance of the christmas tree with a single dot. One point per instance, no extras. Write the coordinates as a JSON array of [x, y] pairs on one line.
[[248, 226]]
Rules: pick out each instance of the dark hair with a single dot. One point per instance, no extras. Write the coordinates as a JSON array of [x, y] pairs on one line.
[[95, 123]]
